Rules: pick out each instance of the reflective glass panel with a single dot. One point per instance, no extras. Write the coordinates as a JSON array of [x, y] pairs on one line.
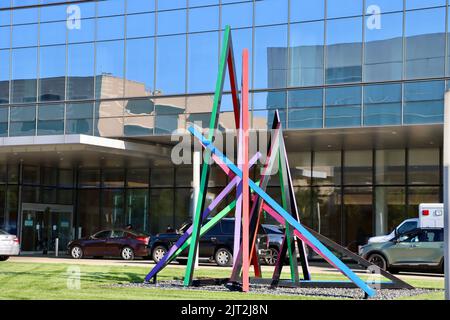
[[306, 54], [424, 166], [109, 69], [4, 76], [141, 25], [204, 19], [344, 37], [343, 107], [171, 22], [80, 71], [24, 75], [52, 69], [424, 102], [302, 10], [390, 166], [425, 43], [382, 104], [344, 8], [237, 15], [383, 52], [171, 64], [327, 168], [51, 119], [270, 57], [271, 12], [305, 108], [203, 62], [140, 67]]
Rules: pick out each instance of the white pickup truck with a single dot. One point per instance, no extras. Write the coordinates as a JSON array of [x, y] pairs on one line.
[[431, 215]]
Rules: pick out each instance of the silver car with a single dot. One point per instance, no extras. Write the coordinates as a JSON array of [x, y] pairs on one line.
[[9, 245]]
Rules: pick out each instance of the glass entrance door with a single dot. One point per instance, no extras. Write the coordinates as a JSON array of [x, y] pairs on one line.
[[43, 224]]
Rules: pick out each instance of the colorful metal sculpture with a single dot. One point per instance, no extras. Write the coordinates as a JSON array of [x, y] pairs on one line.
[[252, 199]]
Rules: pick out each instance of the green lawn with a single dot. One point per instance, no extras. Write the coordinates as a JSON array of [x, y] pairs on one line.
[[49, 282]]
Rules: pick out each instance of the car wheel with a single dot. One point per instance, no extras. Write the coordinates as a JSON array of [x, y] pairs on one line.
[[272, 256], [4, 258], [127, 253], [158, 253], [76, 252], [378, 260], [223, 257]]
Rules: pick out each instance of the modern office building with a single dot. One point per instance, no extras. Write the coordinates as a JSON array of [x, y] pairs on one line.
[[90, 92]]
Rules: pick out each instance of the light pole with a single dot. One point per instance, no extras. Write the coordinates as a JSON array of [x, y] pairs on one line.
[[446, 152]]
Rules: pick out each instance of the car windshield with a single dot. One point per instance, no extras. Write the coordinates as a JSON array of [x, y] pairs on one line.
[[271, 229], [4, 233], [407, 227]]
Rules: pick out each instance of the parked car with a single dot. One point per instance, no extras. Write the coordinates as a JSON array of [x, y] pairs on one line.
[[9, 245], [402, 228], [416, 250], [215, 246], [111, 243], [271, 238]]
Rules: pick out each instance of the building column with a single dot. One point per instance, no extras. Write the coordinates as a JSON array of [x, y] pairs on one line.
[[447, 194], [381, 211]]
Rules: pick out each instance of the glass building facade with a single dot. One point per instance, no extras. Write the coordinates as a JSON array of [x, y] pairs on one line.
[[140, 69]]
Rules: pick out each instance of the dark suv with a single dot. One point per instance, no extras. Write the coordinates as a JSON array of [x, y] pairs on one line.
[[215, 246]]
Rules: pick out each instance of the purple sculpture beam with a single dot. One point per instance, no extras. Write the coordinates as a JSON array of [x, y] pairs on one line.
[[163, 262]]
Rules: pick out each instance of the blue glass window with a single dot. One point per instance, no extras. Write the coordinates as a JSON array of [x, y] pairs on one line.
[[171, 64], [344, 50], [50, 119], [425, 43], [110, 28], [305, 109], [80, 71], [237, 15], [141, 25], [275, 100], [383, 52], [424, 102], [4, 116], [343, 107], [138, 6], [171, 22], [109, 69], [203, 60], [25, 35], [53, 13], [270, 57], [417, 4], [4, 76], [5, 37], [79, 118], [24, 75], [302, 10], [52, 33], [29, 15], [344, 8], [204, 19], [110, 7], [140, 67], [52, 70], [383, 105], [5, 17], [306, 54], [85, 33], [385, 5], [23, 121], [172, 4], [271, 12]]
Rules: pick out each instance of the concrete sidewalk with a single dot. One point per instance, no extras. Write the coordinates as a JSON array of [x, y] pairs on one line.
[[315, 267]]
